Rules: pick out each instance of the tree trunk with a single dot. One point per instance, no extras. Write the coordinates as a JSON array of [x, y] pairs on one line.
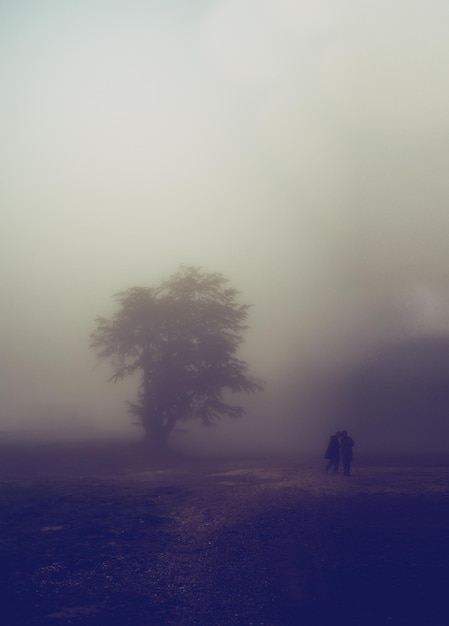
[[156, 439], [157, 430], [156, 420]]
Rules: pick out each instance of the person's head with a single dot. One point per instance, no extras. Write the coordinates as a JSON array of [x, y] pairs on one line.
[[344, 433], [338, 433]]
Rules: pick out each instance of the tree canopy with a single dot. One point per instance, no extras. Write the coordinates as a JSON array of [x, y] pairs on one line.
[[182, 337]]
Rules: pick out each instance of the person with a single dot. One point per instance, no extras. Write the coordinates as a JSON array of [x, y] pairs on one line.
[[346, 445], [333, 453]]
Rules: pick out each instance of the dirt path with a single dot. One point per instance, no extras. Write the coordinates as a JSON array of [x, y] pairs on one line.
[[268, 544]]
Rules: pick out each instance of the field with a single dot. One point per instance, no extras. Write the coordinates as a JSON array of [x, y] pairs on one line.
[[101, 536]]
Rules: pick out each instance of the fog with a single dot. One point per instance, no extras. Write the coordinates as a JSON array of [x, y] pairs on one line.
[[298, 147]]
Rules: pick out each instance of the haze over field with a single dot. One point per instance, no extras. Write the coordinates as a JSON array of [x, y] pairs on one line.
[[298, 147]]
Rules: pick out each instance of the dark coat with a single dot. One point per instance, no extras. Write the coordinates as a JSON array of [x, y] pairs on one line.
[[346, 448], [333, 449]]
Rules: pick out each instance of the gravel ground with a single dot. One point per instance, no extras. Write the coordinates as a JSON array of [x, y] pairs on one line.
[[247, 542]]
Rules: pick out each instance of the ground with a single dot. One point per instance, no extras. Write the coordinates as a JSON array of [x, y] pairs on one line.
[[95, 537]]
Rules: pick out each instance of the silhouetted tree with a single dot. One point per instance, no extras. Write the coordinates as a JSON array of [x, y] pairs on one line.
[[182, 337]]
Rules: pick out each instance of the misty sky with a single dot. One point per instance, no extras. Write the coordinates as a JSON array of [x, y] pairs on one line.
[[300, 147]]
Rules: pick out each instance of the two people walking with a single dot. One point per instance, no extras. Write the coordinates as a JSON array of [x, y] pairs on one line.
[[340, 446]]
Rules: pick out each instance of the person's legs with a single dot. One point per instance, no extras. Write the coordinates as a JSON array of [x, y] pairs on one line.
[[333, 463]]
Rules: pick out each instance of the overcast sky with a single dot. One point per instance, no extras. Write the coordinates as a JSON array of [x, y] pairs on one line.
[[300, 147]]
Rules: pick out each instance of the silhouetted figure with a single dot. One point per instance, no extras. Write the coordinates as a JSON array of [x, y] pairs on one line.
[[333, 453], [346, 445]]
